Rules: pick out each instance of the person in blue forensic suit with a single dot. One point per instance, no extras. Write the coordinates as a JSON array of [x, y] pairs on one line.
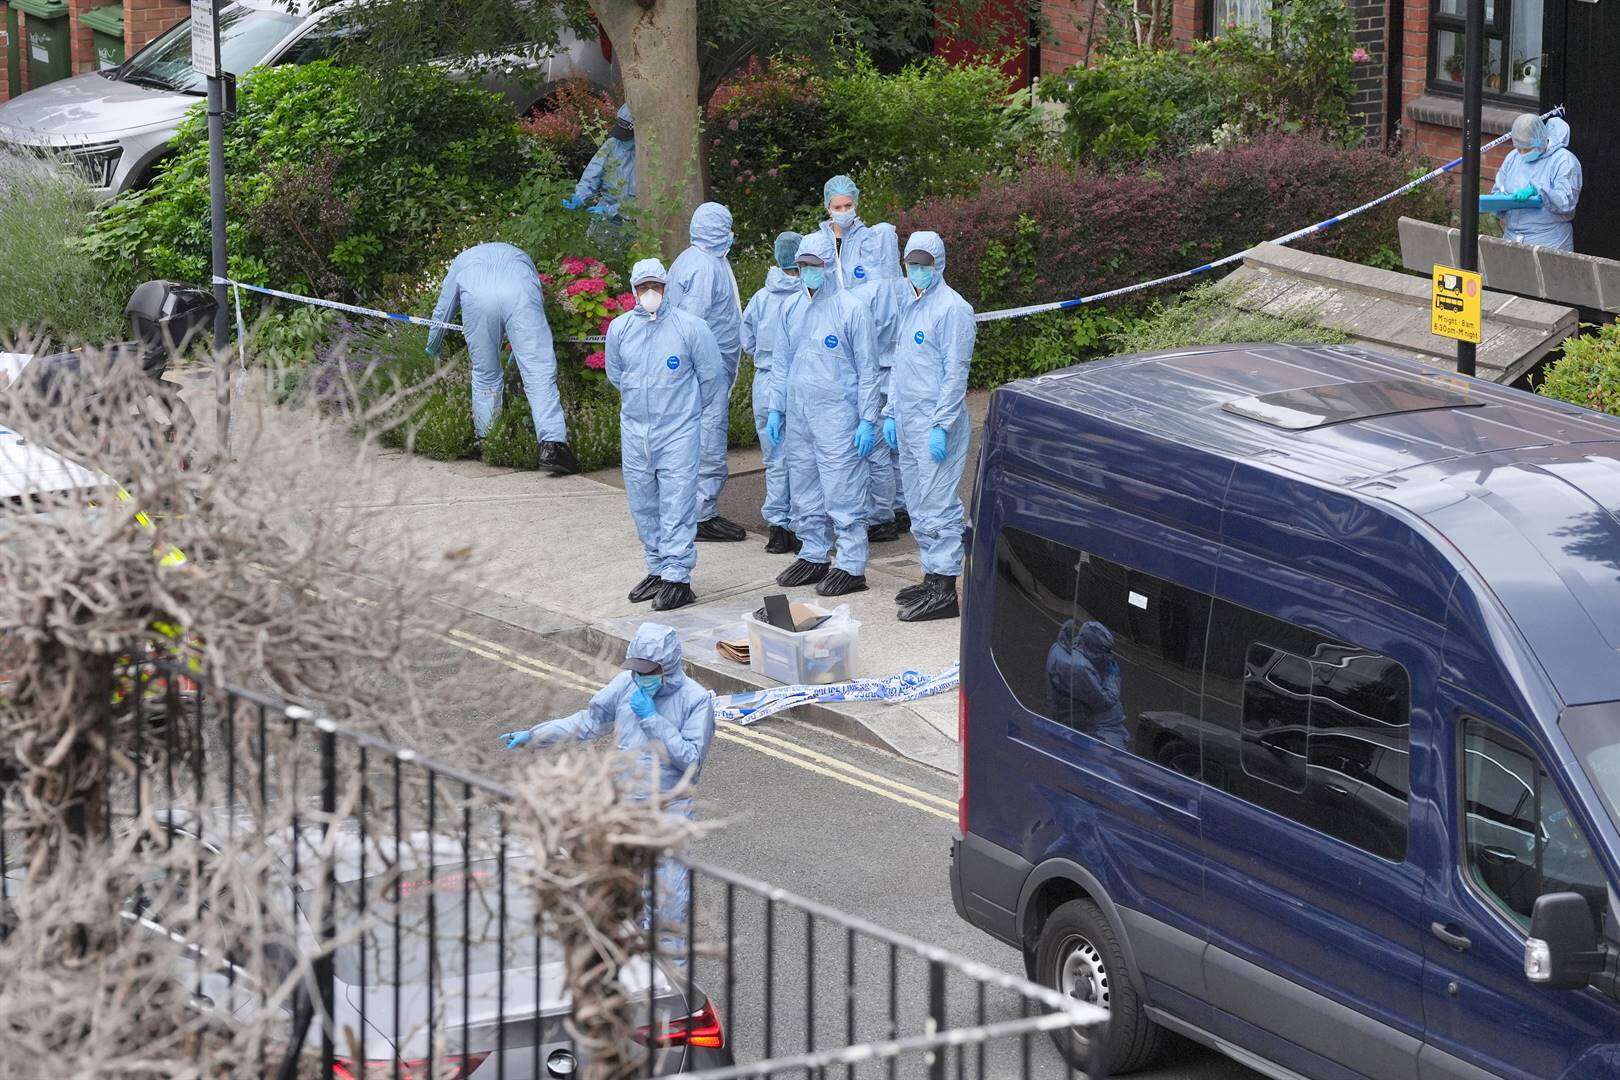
[[701, 283], [655, 711], [667, 367], [609, 182], [1540, 165], [860, 256], [1082, 682], [824, 396], [927, 420], [759, 325], [881, 292], [497, 290]]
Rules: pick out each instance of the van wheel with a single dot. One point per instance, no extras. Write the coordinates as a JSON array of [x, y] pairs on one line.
[[1078, 955]]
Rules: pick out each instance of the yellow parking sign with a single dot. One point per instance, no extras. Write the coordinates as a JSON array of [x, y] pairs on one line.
[[1454, 310]]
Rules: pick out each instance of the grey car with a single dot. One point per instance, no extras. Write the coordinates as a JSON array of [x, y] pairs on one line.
[[116, 125]]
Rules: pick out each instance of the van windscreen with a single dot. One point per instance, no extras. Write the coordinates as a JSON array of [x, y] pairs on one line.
[[1336, 403], [1593, 732]]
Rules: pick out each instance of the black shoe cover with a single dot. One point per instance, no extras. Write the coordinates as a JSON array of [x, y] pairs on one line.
[[882, 533], [911, 593], [902, 521], [558, 459], [801, 573], [674, 594], [782, 542], [719, 529], [646, 589], [939, 602], [839, 583]]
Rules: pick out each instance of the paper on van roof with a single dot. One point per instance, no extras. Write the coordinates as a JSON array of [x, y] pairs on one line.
[[29, 469]]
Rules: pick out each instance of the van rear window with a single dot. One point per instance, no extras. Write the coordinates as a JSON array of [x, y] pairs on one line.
[[1336, 403]]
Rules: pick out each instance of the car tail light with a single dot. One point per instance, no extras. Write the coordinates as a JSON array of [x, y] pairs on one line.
[[455, 1067], [961, 771], [701, 1029]]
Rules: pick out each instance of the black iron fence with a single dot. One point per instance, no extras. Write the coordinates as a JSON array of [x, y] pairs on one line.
[[381, 924]]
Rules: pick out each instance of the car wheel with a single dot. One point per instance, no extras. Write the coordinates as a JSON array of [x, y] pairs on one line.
[[1079, 956]]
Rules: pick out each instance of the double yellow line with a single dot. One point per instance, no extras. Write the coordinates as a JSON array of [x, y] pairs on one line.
[[769, 744]]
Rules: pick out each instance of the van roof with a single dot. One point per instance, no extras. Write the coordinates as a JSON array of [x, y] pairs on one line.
[[1525, 488], [27, 469]]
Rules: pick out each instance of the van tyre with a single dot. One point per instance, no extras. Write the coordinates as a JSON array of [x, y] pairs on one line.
[[1077, 954]]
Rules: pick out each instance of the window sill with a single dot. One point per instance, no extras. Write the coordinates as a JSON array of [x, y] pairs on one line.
[[1446, 111]]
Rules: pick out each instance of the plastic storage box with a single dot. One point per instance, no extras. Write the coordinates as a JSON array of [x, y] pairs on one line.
[[823, 655]]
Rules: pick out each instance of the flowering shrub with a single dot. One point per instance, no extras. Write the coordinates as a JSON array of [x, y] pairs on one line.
[[582, 298], [1053, 234], [763, 135], [575, 120]]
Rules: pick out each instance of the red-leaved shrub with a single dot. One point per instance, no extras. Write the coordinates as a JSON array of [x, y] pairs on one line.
[[1053, 234]]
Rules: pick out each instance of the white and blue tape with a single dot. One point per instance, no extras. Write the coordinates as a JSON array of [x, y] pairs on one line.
[[755, 705]]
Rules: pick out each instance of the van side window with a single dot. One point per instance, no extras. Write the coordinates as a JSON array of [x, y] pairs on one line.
[[1309, 728], [1101, 648], [1520, 840]]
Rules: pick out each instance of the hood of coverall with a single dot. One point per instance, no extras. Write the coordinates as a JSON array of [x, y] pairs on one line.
[[1096, 640], [624, 114], [818, 244], [931, 243], [780, 281], [1557, 134], [711, 229], [662, 645]]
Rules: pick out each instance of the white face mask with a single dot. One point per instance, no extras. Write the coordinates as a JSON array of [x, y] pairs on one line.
[[651, 300], [842, 218]]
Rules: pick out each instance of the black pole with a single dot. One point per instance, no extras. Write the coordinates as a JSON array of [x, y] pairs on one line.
[[216, 207], [1473, 79]]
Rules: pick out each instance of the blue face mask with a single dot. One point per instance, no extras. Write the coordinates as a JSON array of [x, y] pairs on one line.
[[1535, 154], [920, 276], [812, 276], [842, 218], [648, 684]]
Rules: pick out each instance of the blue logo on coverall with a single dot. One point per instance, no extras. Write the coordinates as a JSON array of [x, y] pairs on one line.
[[831, 341], [918, 337], [860, 273], [673, 363]]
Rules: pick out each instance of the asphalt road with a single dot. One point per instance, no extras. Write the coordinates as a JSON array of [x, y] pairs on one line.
[[818, 815]]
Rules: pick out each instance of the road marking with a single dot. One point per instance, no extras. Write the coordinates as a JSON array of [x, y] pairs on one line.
[[729, 735], [514, 655], [854, 770]]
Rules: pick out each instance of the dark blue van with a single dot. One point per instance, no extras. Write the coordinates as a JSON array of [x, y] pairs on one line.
[[1291, 712]]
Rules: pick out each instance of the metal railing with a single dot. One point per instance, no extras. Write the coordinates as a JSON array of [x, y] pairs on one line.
[[399, 938]]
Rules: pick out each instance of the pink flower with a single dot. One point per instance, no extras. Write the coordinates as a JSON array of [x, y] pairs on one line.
[[545, 279], [627, 301], [573, 266], [602, 327], [733, 125], [733, 163], [593, 285], [596, 361], [611, 303], [1360, 56], [770, 172]]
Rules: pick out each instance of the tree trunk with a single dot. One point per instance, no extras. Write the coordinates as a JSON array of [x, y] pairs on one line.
[[656, 43]]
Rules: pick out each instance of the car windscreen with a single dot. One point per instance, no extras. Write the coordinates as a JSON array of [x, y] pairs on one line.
[[479, 917], [246, 36], [1593, 732]]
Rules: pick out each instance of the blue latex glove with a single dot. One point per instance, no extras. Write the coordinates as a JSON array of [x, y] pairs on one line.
[[641, 704], [865, 438], [773, 428], [1526, 193], [573, 202], [517, 740], [891, 434], [598, 209], [937, 440]]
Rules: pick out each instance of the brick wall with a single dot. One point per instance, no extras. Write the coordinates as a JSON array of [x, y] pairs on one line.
[[1066, 45], [146, 19], [1369, 101], [5, 80], [84, 44], [1439, 141]]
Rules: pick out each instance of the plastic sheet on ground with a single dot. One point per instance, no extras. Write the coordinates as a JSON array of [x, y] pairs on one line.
[[755, 705]]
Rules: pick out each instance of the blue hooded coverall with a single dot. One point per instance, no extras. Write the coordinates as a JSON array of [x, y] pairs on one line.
[[701, 283], [1082, 681], [666, 367], [825, 382], [934, 335], [610, 178], [672, 743], [497, 289], [880, 291], [1556, 176], [759, 327]]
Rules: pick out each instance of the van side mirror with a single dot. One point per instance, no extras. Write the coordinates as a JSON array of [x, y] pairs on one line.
[[1563, 951]]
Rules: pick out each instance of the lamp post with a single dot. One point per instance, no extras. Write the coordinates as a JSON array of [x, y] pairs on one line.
[[1473, 82]]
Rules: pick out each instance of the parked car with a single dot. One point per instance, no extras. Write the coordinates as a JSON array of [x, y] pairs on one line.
[[116, 125], [1364, 819]]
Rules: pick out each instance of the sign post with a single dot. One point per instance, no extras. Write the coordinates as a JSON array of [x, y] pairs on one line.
[[1473, 83], [205, 59], [1454, 309]]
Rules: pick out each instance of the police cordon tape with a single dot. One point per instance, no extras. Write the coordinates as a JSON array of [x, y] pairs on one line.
[[375, 313], [1287, 238], [983, 316], [755, 705]]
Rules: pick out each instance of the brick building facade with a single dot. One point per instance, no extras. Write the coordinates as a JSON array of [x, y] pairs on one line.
[[142, 20]]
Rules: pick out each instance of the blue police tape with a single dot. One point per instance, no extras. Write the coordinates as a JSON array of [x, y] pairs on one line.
[[375, 313], [1287, 238], [755, 705]]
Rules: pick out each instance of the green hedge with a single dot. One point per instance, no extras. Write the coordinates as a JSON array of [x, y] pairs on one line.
[[1588, 371]]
